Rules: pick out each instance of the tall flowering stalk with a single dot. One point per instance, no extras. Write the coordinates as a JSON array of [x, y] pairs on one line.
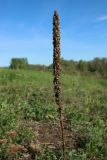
[[57, 73]]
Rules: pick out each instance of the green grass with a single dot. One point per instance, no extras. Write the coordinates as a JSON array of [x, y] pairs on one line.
[[27, 95]]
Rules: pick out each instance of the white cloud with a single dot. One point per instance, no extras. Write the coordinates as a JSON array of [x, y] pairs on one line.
[[102, 18]]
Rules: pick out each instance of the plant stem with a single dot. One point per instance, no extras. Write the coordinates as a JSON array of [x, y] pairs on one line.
[[57, 73]]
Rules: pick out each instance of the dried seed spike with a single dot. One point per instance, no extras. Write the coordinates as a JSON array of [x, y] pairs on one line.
[[57, 73]]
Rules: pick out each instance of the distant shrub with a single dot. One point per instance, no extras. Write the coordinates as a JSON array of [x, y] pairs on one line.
[[98, 65], [67, 66], [37, 67], [19, 63], [82, 66]]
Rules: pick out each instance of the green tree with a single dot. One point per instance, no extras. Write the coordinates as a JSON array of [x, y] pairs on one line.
[[18, 63], [82, 66]]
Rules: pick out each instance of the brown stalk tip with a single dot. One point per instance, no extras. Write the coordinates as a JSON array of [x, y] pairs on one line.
[[56, 13]]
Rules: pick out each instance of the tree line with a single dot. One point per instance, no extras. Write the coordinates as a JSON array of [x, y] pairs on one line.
[[97, 66]]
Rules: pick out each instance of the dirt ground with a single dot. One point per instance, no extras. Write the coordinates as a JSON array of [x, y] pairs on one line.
[[48, 134]]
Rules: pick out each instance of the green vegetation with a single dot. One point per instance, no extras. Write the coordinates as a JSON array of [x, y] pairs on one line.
[[19, 63], [96, 67], [28, 111]]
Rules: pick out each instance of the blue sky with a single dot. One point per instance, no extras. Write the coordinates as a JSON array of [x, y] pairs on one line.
[[26, 29]]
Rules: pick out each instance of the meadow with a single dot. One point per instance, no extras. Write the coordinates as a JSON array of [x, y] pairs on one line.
[[29, 122]]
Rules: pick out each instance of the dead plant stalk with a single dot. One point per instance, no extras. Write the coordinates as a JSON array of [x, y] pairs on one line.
[[57, 73]]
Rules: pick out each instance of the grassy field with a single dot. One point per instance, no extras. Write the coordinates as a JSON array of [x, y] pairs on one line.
[[29, 124]]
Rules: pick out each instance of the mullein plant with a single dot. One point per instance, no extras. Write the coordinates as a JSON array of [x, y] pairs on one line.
[[57, 73]]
